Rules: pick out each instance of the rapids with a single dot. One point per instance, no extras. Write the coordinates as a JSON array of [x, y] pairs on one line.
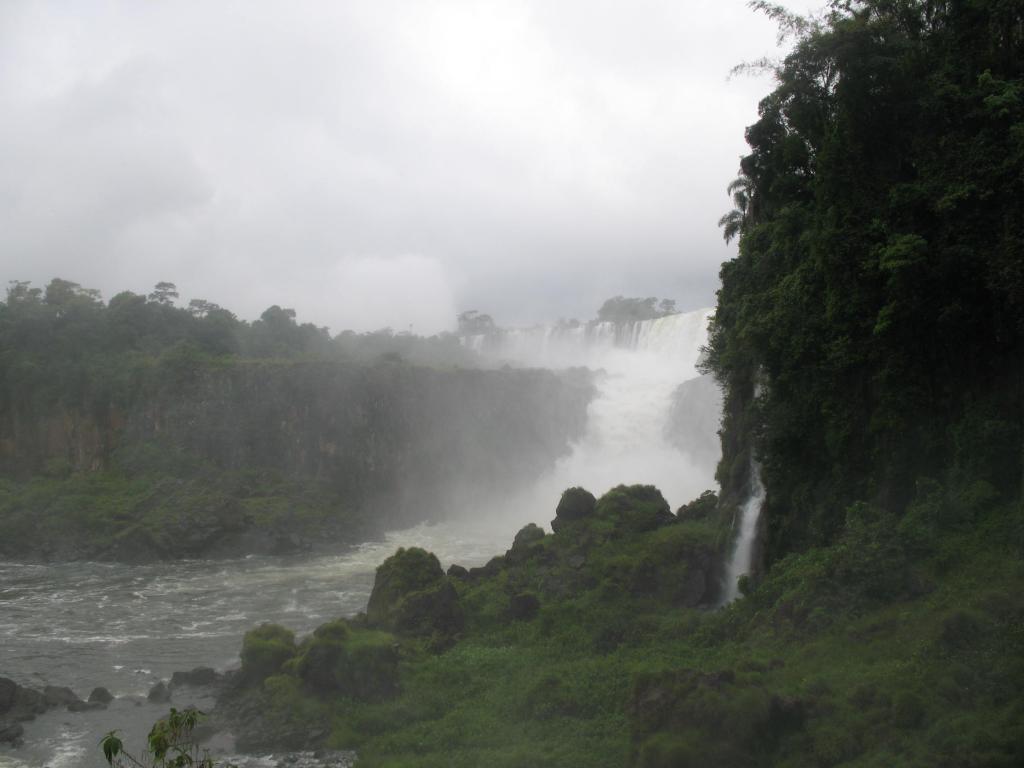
[[125, 627], [640, 366]]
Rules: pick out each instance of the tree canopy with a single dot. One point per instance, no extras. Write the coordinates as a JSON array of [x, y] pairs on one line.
[[878, 294]]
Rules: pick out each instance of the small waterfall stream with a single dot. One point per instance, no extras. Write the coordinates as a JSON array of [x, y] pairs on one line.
[[741, 561]]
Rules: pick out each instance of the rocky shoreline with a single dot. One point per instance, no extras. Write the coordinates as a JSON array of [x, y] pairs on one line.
[[20, 704]]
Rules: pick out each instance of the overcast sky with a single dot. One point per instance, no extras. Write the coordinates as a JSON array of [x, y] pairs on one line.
[[377, 163]]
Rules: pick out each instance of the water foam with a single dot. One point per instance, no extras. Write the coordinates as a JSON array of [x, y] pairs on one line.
[[640, 365]]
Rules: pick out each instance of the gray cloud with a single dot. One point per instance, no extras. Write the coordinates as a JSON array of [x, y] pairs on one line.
[[375, 163]]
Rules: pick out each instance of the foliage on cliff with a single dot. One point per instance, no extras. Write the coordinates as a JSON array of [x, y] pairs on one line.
[[869, 333], [136, 430], [899, 645]]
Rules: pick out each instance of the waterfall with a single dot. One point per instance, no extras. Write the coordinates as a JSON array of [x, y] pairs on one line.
[[639, 369], [742, 557]]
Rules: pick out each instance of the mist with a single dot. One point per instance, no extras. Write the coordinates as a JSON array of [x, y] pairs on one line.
[[375, 165]]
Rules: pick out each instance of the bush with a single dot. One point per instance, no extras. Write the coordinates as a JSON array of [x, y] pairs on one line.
[[265, 650]]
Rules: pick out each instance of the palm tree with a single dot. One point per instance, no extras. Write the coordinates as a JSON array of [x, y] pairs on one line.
[[732, 223]]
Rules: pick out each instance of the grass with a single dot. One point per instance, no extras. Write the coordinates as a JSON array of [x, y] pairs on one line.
[[829, 661]]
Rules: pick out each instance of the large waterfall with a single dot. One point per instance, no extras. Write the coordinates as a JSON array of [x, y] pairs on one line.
[[648, 423]]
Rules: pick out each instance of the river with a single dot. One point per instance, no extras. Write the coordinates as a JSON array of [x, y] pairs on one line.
[[125, 627]]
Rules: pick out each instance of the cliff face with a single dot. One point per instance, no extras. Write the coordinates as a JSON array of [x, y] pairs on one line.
[[394, 439]]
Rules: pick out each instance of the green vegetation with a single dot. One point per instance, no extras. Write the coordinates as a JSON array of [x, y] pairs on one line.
[[593, 646], [620, 309], [869, 334], [170, 745], [138, 430], [869, 338]]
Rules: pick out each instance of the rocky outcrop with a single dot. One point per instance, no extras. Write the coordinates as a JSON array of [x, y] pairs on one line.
[[398, 443], [411, 596], [19, 704]]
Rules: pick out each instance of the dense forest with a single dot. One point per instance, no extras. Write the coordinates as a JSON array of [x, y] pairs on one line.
[[868, 337], [869, 333], [138, 430]]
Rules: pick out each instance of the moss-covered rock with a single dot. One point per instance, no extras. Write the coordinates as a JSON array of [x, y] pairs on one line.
[[635, 508], [341, 660], [701, 508], [575, 504], [265, 650], [412, 596], [527, 543]]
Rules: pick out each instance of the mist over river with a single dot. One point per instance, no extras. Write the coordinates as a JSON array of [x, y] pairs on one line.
[[126, 627]]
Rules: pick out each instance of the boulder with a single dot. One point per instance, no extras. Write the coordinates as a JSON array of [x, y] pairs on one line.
[[530, 533], [8, 694], [433, 611], [359, 663], [405, 572], [575, 504], [11, 733], [101, 695], [199, 676], [159, 693], [28, 703], [635, 508], [85, 706], [56, 696], [526, 544], [265, 649]]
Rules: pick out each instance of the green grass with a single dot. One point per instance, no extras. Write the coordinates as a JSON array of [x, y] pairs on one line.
[[871, 652]]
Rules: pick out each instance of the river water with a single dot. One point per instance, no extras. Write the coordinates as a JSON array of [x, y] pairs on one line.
[[125, 627]]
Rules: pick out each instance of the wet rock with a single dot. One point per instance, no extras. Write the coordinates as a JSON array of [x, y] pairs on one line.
[[199, 676], [28, 703], [101, 695], [56, 696], [289, 544], [8, 694], [11, 733], [85, 706], [159, 693]]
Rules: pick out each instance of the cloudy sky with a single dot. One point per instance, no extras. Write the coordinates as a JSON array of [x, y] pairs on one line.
[[376, 163]]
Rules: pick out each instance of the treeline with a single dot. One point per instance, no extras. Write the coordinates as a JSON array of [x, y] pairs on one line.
[[869, 331], [64, 342]]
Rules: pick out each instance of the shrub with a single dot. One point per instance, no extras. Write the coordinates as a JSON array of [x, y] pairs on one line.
[[265, 650]]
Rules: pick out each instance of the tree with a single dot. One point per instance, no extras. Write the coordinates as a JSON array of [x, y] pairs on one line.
[[202, 307], [473, 323], [732, 222], [164, 293], [170, 745]]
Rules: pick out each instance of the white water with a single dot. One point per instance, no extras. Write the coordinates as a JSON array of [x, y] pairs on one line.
[[741, 561], [641, 364], [125, 627]]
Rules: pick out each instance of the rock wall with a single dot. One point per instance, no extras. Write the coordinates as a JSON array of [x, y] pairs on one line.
[[392, 435]]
